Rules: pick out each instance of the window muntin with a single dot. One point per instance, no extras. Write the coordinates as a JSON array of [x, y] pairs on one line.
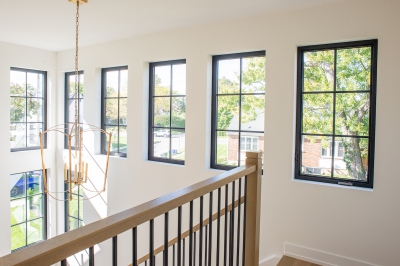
[[28, 207], [74, 208], [336, 113], [70, 101], [114, 109], [167, 110], [27, 108], [238, 107]]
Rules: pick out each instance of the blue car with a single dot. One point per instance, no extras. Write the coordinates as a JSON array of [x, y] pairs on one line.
[[32, 180]]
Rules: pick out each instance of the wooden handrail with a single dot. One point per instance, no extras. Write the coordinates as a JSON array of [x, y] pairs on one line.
[[60, 247], [186, 233]]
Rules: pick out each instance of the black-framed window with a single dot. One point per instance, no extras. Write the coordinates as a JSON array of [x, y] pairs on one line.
[[114, 109], [238, 106], [167, 111], [335, 131], [28, 207], [73, 208], [27, 108], [70, 101]]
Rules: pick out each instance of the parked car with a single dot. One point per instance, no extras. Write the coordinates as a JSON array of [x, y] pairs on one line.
[[162, 133], [32, 180]]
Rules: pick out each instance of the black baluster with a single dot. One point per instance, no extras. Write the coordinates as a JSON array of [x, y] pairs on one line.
[[114, 252], [238, 225], [183, 259], [173, 255], [226, 225], [218, 226], [179, 235], [232, 227], [191, 233], [134, 246], [205, 246], [201, 233], [194, 249], [64, 262], [244, 220], [210, 230], [151, 246], [91, 256], [165, 253]]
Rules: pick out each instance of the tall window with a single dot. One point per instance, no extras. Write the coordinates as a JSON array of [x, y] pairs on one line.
[[28, 209], [73, 208], [336, 113], [114, 109], [70, 100], [167, 111], [27, 108], [238, 85]]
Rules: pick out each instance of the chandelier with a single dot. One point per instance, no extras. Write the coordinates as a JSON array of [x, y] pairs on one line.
[[76, 163]]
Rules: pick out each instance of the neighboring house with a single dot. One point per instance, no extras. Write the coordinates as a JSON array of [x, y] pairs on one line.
[[249, 141]]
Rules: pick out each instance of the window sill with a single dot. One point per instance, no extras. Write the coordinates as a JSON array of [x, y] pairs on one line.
[[332, 185]]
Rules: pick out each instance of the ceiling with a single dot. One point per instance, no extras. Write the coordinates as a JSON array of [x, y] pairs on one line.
[[50, 24]]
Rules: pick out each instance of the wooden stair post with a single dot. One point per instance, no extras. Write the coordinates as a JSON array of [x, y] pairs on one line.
[[253, 202]]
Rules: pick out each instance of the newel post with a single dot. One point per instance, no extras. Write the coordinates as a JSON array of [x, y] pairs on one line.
[[253, 202]]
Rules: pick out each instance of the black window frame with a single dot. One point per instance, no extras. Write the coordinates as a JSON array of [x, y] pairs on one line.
[[45, 211], [66, 98], [44, 109], [151, 126], [372, 113], [103, 110], [214, 107], [67, 214]]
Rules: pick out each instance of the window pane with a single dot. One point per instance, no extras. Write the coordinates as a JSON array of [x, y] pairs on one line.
[[35, 231], [318, 71], [353, 69], [123, 140], [228, 76], [35, 110], [33, 134], [179, 79], [123, 89], [18, 236], [123, 104], [317, 113], [162, 111], [35, 85], [17, 83], [250, 142], [354, 164], [178, 145], [227, 148], [17, 109], [253, 74], [80, 208], [112, 84], [17, 185], [73, 223], [313, 161], [35, 182], [161, 143], [228, 112], [162, 82], [73, 206], [17, 136], [352, 114], [35, 206], [71, 111], [253, 113], [178, 112], [112, 111], [18, 211], [114, 139], [255, 144], [81, 82]]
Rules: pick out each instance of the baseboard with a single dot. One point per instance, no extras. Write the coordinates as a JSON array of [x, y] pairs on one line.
[[321, 257], [270, 261]]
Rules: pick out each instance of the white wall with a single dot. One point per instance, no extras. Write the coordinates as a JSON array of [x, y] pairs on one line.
[[16, 162], [355, 224]]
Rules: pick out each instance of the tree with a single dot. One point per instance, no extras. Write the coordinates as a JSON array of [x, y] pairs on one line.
[[353, 71]]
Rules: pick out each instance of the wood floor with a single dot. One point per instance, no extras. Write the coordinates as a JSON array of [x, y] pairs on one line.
[[289, 261]]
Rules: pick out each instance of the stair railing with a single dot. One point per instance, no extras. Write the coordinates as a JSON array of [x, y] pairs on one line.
[[200, 245]]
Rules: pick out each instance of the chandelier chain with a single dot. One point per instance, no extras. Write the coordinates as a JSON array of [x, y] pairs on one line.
[[76, 62]]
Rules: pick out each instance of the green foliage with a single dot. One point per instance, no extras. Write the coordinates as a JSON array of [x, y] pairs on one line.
[[353, 71], [17, 112]]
